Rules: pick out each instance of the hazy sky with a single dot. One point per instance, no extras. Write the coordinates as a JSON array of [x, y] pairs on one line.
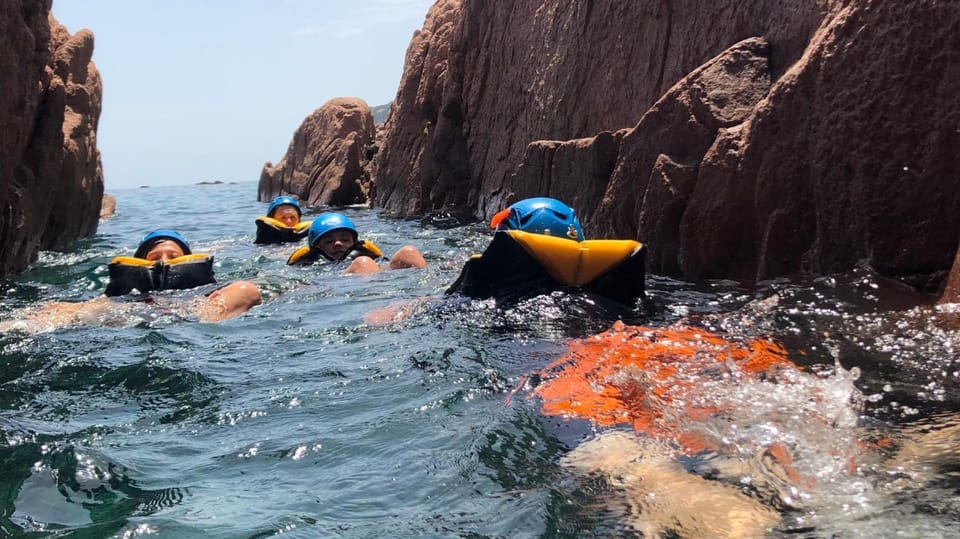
[[203, 90]]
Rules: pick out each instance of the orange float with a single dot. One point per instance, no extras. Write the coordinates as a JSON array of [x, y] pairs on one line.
[[653, 378]]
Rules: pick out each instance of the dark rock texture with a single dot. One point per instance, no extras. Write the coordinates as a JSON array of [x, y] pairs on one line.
[[745, 139], [659, 161], [484, 79], [851, 157], [325, 162], [51, 180], [410, 170], [951, 293]]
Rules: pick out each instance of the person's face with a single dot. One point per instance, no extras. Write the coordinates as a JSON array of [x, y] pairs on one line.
[[165, 250], [336, 243], [286, 214]]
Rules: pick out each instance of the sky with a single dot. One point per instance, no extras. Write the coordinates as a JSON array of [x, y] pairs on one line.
[[205, 90]]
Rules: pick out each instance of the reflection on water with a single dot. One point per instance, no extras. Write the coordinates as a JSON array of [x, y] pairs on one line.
[[299, 418]]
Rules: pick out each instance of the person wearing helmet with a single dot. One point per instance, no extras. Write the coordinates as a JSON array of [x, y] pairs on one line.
[[285, 209], [162, 261], [540, 215], [333, 238], [282, 223], [162, 244], [177, 267], [540, 247]]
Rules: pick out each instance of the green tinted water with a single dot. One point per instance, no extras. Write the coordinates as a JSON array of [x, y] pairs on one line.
[[298, 418]]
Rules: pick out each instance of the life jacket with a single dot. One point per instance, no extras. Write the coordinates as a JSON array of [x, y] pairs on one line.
[[270, 230], [309, 254], [128, 273], [518, 265]]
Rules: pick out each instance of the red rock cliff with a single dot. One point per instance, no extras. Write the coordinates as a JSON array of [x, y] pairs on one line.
[[51, 181], [742, 139]]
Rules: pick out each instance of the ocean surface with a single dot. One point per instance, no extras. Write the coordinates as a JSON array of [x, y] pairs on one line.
[[299, 419]]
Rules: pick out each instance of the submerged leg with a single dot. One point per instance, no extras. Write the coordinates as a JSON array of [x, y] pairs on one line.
[[395, 312], [658, 497]]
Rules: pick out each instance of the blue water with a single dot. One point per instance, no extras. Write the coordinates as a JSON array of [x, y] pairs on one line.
[[299, 419]]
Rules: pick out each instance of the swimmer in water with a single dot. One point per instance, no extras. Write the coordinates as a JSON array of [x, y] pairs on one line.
[[333, 238], [282, 223], [162, 261], [539, 248], [697, 434]]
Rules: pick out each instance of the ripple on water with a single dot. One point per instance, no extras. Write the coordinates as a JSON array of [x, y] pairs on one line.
[[300, 418]]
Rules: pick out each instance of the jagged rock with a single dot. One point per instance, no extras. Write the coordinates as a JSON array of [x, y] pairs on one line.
[[408, 168], [51, 180], [850, 157], [324, 164], [485, 79], [574, 171], [951, 293], [641, 178], [657, 168]]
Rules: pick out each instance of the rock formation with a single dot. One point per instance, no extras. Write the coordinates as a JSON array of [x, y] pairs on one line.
[[824, 140], [951, 293], [108, 206], [325, 162], [650, 171], [51, 181], [411, 173]]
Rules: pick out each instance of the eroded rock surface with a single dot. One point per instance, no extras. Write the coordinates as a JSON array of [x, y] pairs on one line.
[[325, 162], [51, 180], [841, 150]]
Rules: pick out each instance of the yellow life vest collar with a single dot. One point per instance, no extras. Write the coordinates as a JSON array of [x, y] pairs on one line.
[[309, 254], [128, 273], [517, 265], [270, 230], [575, 263]]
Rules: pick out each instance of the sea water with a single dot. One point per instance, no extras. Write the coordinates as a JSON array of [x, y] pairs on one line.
[[298, 418]]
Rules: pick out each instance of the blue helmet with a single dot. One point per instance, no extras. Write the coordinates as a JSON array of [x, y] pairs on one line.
[[159, 236], [328, 222], [280, 201], [540, 215]]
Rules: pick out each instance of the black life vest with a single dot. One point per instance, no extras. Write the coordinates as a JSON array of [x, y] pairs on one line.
[[270, 230], [128, 273], [519, 265], [309, 254]]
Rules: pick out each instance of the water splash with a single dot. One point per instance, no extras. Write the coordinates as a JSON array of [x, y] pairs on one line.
[[733, 409]]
